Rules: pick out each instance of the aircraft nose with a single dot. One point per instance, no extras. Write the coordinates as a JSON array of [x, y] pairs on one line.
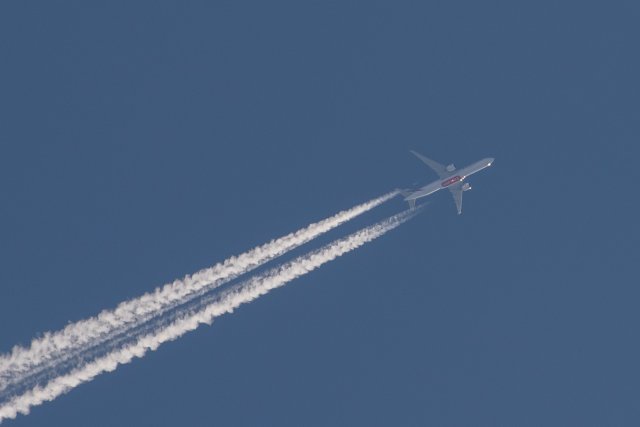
[[490, 161]]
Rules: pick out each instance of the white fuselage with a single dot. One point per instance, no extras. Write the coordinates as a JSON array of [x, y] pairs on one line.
[[457, 176]]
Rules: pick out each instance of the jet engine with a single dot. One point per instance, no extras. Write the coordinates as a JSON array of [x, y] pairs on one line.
[[466, 186], [451, 168]]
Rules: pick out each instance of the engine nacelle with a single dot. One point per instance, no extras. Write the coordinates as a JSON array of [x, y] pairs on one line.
[[466, 186], [451, 168]]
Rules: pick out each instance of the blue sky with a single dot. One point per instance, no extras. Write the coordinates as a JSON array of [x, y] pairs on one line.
[[143, 141]]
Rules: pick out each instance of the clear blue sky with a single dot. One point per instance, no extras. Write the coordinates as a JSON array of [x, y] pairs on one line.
[[140, 141]]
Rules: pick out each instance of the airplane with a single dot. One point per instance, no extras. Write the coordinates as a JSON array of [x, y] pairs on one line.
[[450, 178]]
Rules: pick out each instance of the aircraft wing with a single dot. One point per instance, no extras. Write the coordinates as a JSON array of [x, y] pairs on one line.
[[456, 192], [437, 167]]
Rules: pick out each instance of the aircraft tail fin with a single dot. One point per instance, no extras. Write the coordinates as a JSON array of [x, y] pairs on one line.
[[407, 193]]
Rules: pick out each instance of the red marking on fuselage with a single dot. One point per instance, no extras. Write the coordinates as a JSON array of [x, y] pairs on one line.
[[451, 180]]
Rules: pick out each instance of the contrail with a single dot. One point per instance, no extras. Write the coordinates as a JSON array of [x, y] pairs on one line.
[[46, 350], [227, 302]]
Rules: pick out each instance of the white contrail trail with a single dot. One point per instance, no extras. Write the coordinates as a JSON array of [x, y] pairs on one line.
[[85, 332], [229, 300]]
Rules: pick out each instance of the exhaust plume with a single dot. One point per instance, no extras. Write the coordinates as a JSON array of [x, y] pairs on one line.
[[226, 302], [46, 350]]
